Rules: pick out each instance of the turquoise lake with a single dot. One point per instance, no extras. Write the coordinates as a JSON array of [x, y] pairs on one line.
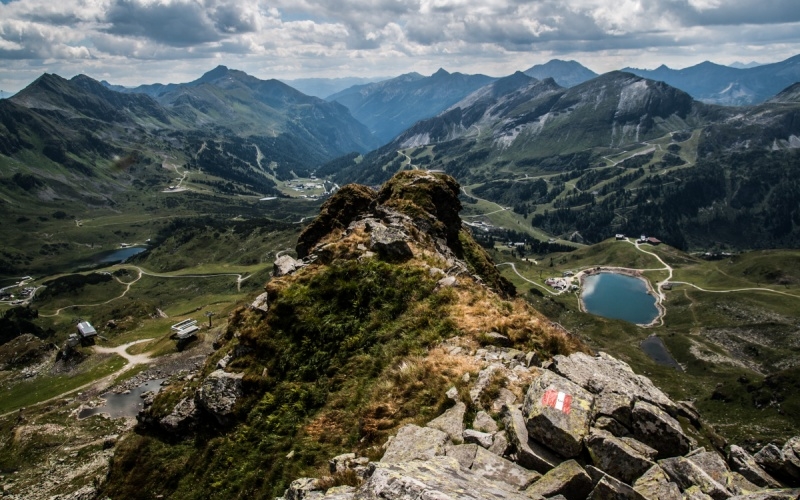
[[120, 255], [618, 296]]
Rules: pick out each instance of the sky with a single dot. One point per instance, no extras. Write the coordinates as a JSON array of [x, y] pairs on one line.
[[133, 42]]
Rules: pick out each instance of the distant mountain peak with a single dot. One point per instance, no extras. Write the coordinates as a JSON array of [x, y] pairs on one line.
[[564, 73], [441, 72]]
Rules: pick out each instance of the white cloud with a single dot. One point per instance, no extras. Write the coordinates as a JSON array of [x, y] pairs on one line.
[[385, 37]]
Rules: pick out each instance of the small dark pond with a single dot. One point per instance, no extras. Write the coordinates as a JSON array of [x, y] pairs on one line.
[[123, 405], [120, 255], [618, 296], [654, 347]]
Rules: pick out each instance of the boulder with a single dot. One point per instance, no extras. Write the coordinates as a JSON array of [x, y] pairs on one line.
[[340, 493], [482, 439], [606, 374], [484, 379], [284, 265], [484, 422], [785, 494], [654, 484], [413, 442], [614, 405], [218, 394], [772, 460], [182, 417], [490, 466], [557, 413], [527, 452], [261, 302], [451, 422], [500, 444], [615, 457], [389, 242], [656, 428], [608, 424], [686, 474], [568, 479], [504, 398], [495, 338], [610, 488], [439, 478], [744, 463]]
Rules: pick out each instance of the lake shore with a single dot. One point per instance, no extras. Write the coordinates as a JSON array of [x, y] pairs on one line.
[[634, 273]]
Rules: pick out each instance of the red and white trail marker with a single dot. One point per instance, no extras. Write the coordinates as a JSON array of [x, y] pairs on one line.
[[559, 400]]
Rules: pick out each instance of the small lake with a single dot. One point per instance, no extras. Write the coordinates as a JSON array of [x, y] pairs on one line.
[[654, 347], [618, 296], [120, 255], [123, 405]]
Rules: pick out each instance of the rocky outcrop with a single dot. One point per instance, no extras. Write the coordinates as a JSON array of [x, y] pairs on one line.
[[285, 264], [554, 446], [218, 393]]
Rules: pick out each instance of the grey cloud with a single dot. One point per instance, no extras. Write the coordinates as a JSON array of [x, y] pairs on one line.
[[179, 24]]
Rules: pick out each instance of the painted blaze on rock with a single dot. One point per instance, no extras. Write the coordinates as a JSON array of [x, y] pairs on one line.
[[557, 413]]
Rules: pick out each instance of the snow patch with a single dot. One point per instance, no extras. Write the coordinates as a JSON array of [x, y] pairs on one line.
[[632, 97]]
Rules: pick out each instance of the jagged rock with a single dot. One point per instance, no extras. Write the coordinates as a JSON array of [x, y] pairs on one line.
[[499, 444], [610, 488], [608, 424], [341, 463], [606, 374], [182, 417], [447, 282], [772, 459], [304, 488], [568, 479], [261, 302], [743, 463], [714, 465], [490, 466], [440, 478], [484, 379], [482, 439], [527, 452], [484, 423], [614, 405], [218, 394], [452, 393], [655, 485], [695, 493], [557, 413], [413, 442], [88, 492], [615, 457], [642, 448], [532, 359], [451, 422], [284, 265], [688, 410], [656, 428], [504, 398], [389, 242], [686, 474], [340, 493]]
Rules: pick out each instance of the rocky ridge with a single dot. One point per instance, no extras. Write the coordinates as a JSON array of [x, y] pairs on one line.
[[588, 427]]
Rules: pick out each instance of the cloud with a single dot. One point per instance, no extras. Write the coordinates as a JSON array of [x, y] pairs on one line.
[[392, 36]]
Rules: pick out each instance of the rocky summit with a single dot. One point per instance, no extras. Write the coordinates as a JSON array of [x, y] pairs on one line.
[[389, 359]]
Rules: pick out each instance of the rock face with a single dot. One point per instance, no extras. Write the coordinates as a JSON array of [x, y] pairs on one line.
[[557, 413], [218, 393], [656, 428], [285, 264]]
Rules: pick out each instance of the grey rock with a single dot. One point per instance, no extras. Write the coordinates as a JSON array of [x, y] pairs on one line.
[[452, 393], [341, 463], [340, 493], [482, 439], [772, 460], [447, 282], [557, 413], [484, 379], [182, 417], [688, 410], [261, 302], [532, 359], [490, 466], [527, 452], [500, 444], [451, 422], [304, 488], [744, 463], [389, 242], [413, 442], [504, 398], [606, 374], [608, 424], [687, 474], [568, 479], [484, 422], [615, 457], [656, 428], [464, 454], [218, 394], [610, 488], [284, 265], [655, 485], [440, 478], [695, 493], [642, 448], [614, 405]]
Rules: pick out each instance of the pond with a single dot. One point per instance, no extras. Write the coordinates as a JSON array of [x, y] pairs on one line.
[[123, 405], [618, 296], [654, 347], [120, 255]]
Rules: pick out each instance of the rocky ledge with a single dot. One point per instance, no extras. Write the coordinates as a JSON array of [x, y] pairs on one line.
[[587, 427]]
